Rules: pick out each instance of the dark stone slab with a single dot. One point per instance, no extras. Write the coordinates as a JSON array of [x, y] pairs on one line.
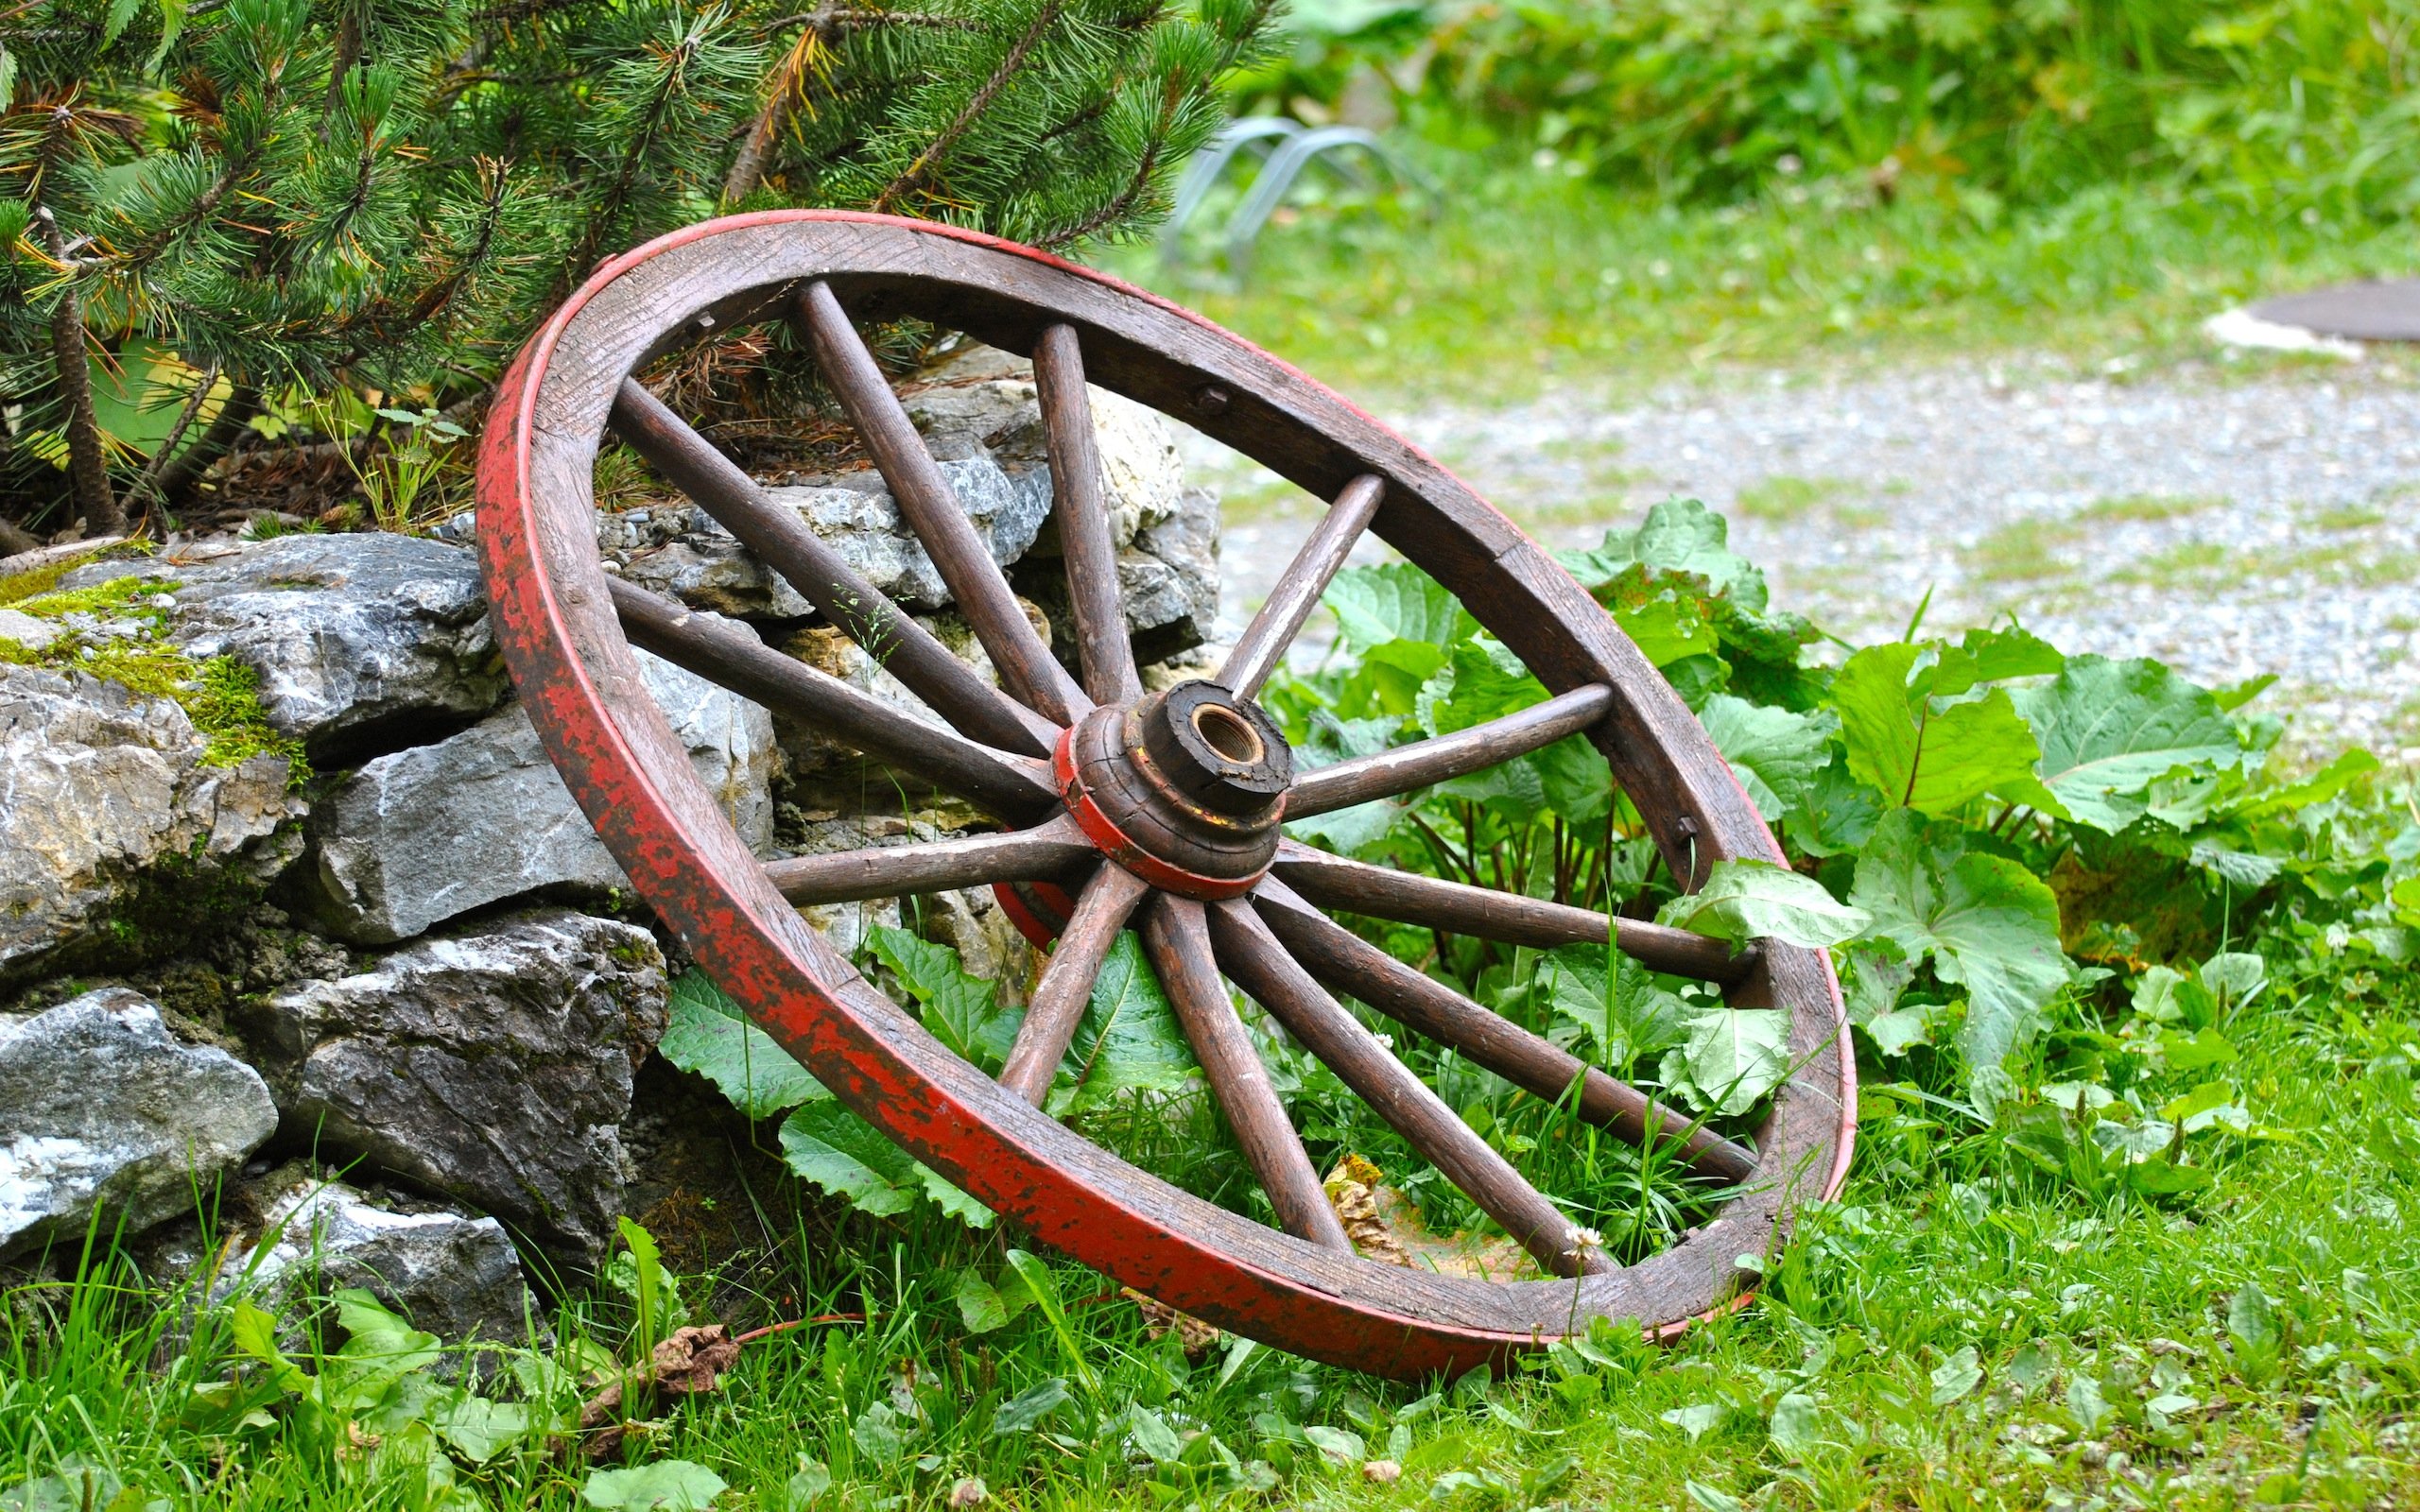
[[2386, 310]]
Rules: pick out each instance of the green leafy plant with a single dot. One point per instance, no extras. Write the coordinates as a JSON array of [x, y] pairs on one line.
[[1981, 104]]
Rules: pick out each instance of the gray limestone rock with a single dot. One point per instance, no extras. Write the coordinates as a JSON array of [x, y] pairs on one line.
[[493, 1069], [455, 1277], [422, 835], [705, 567], [97, 785], [1169, 577], [102, 1109], [26, 630], [361, 642]]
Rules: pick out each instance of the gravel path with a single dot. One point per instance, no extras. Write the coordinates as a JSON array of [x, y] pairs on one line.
[[2230, 527]]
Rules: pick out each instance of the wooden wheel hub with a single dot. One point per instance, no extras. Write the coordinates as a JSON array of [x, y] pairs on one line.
[[1118, 809], [1184, 789]]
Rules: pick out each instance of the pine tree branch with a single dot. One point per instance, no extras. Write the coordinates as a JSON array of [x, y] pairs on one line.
[[225, 429], [790, 79], [834, 19], [611, 203], [148, 489], [87, 463], [921, 170], [347, 52]]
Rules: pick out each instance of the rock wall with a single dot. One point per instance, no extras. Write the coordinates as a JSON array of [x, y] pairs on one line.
[[413, 967]]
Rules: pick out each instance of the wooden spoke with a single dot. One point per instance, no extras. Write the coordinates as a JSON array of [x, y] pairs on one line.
[[1104, 650], [1059, 999], [1253, 956], [1406, 768], [1406, 898], [1297, 592], [933, 510], [1050, 853], [1015, 788], [1346, 963], [823, 576], [1177, 939]]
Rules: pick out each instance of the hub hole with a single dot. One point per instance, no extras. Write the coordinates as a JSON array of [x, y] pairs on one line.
[[1226, 733]]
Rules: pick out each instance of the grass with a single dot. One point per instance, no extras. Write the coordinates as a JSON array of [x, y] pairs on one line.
[[2114, 1353], [2257, 1342], [2023, 551], [2146, 508], [1783, 496], [1534, 279]]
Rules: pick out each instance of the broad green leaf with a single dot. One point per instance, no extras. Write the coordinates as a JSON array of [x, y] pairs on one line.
[[1733, 1056], [478, 1429], [2109, 728], [1149, 1432], [2165, 995], [1955, 1377], [2196, 1052], [1902, 1029], [1128, 1039], [1985, 922], [1713, 1498], [2087, 1403], [1747, 899], [1921, 756], [1020, 1413], [848, 1157], [1696, 1419], [2207, 1104], [881, 1433], [1578, 784], [951, 1199], [2319, 787], [2252, 1327], [2245, 870], [709, 1035], [1839, 811], [805, 1487], [1666, 627], [1338, 1446], [1627, 1018], [1679, 535], [957, 1009], [1873, 974], [986, 1308], [2234, 978], [1393, 602], [1482, 680], [255, 1333], [1774, 752], [1797, 1425], [2015, 652], [1328, 741], [666, 1485]]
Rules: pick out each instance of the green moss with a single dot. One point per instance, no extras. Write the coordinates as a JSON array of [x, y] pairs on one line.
[[18, 586], [221, 696]]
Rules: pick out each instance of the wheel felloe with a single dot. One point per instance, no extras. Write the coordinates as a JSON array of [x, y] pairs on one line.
[[1160, 815]]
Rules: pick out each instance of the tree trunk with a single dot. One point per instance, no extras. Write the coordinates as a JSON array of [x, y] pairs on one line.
[[87, 463]]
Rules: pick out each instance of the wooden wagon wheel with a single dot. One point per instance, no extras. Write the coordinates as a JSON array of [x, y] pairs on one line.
[[1158, 811]]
